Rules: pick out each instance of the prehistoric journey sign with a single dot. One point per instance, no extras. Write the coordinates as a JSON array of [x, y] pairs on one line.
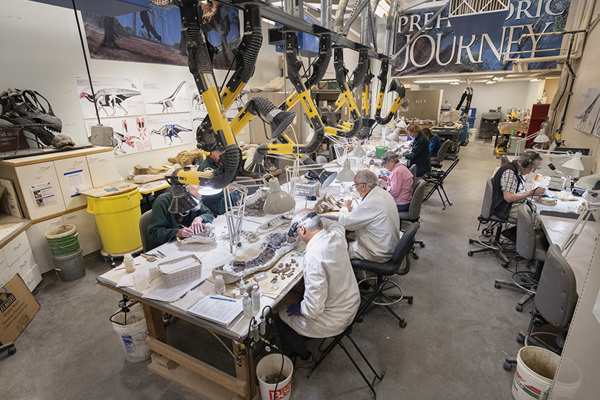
[[439, 50]]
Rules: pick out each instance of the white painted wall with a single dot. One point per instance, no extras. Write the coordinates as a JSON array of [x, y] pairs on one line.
[[41, 51], [522, 94]]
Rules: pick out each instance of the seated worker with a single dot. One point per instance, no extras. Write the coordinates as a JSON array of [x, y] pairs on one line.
[[399, 183], [215, 202], [434, 142], [331, 296], [419, 154], [509, 192], [164, 227], [375, 220]]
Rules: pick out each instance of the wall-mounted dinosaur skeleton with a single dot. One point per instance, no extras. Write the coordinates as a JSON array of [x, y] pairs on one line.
[[110, 99]]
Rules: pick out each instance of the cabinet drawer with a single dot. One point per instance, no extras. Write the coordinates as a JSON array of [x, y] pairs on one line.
[[41, 190], [4, 277], [87, 231], [3, 263], [32, 278], [74, 176], [103, 168], [23, 265], [16, 248], [39, 243]]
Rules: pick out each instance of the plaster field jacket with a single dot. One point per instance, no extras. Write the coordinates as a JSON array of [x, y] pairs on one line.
[[331, 296], [376, 224]]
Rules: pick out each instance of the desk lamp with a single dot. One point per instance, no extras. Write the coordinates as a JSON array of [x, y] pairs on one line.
[[346, 174], [575, 164], [278, 201], [591, 207], [359, 151]]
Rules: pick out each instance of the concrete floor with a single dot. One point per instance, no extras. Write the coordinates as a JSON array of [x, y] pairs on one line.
[[459, 327]]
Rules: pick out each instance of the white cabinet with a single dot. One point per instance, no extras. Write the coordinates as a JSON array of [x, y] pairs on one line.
[[87, 233], [40, 190], [16, 248], [74, 176], [4, 271], [103, 168], [16, 257]]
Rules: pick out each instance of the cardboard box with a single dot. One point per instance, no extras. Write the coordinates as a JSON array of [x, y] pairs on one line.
[[17, 309]]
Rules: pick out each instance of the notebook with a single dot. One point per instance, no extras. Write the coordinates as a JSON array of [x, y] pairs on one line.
[[218, 309]]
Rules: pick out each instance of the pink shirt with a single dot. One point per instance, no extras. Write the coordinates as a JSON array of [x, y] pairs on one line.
[[400, 184]]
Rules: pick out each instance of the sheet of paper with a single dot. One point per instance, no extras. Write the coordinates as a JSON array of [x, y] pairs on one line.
[[75, 182], [163, 293], [125, 281], [43, 193], [218, 309]]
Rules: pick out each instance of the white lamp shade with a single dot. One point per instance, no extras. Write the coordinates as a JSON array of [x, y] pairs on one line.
[[402, 123], [541, 138], [358, 150], [393, 137], [278, 201], [346, 174], [208, 191], [575, 162]]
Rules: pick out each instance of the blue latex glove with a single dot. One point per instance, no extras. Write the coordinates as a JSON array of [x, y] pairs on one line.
[[294, 309]]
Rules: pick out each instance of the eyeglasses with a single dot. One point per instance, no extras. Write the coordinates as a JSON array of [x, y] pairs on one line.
[[356, 185]]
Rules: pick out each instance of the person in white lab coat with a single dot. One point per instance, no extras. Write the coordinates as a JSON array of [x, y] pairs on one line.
[[331, 296], [375, 220]]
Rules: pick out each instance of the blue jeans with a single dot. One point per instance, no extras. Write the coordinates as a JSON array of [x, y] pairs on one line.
[[403, 207]]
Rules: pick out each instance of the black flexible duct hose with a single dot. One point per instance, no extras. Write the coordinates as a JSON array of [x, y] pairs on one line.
[[262, 105], [247, 52], [228, 167], [322, 61]]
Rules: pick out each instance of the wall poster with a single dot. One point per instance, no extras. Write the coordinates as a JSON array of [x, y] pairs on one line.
[[165, 96], [440, 50], [130, 134], [154, 35], [115, 97], [588, 112], [170, 130]]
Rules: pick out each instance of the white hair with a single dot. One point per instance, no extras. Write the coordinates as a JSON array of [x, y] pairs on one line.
[[311, 224], [366, 176]]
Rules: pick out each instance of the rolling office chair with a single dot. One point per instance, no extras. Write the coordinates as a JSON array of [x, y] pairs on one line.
[[495, 223], [337, 341], [436, 162], [392, 267], [555, 301], [144, 220], [531, 245], [414, 210]]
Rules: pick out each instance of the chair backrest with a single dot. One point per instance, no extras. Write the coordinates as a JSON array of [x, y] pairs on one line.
[[556, 294], [404, 246], [413, 170], [441, 155], [504, 159], [144, 220], [486, 206], [526, 242], [414, 210]]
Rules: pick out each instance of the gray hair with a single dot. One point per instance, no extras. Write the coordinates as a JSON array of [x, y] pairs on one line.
[[311, 224], [529, 156], [367, 177]]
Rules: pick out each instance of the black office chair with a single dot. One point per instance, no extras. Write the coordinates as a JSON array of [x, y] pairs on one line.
[[437, 161], [337, 341], [493, 224], [414, 210], [392, 267], [532, 246], [144, 220], [9, 348], [555, 301], [437, 177]]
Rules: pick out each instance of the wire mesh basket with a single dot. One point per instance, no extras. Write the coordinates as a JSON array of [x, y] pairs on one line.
[[180, 270]]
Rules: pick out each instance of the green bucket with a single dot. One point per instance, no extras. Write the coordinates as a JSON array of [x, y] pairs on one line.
[[63, 240], [380, 151]]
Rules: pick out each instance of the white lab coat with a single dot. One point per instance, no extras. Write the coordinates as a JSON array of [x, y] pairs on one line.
[[377, 225], [331, 296]]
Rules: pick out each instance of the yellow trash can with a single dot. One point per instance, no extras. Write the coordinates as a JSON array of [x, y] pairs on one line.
[[118, 220]]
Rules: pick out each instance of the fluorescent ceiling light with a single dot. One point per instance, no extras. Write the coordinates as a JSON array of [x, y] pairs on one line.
[[490, 82], [534, 80], [437, 81], [455, 83]]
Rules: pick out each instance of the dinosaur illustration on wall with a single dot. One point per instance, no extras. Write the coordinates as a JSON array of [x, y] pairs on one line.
[[170, 131], [111, 98], [168, 102]]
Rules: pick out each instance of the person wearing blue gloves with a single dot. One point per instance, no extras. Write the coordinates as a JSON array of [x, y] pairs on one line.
[[331, 296]]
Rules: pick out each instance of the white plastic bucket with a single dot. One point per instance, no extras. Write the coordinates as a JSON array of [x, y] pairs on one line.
[[132, 335], [267, 370], [535, 372]]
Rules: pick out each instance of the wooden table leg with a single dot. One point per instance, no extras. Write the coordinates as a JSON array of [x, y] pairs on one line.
[[241, 371], [154, 321]]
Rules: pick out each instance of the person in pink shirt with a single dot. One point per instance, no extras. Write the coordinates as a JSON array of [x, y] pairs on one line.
[[399, 183]]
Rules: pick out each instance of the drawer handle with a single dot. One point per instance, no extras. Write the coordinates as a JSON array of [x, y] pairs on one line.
[[24, 263], [19, 245], [44, 168]]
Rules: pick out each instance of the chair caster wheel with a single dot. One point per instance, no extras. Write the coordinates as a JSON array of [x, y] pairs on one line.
[[402, 324], [471, 241], [416, 256], [422, 245], [470, 254], [507, 366], [520, 339], [497, 285], [410, 300], [12, 350], [519, 308]]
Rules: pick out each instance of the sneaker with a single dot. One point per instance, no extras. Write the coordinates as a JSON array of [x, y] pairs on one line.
[[305, 364]]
